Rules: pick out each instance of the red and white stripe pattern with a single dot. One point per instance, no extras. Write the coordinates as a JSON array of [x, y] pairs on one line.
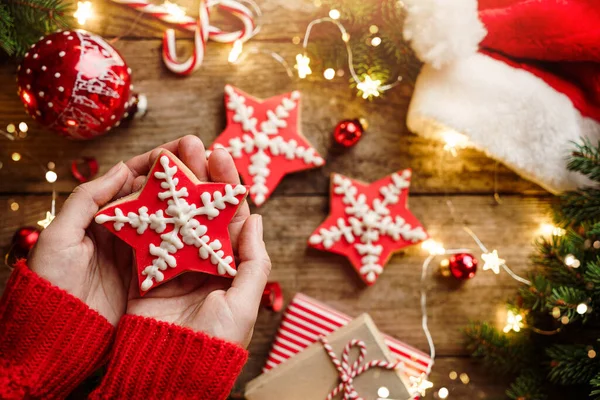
[[201, 27], [347, 372], [306, 319]]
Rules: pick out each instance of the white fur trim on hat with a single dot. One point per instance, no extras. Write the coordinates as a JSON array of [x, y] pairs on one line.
[[442, 31], [509, 113]]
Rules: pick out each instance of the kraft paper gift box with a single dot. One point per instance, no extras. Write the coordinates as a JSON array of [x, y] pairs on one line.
[[311, 373]]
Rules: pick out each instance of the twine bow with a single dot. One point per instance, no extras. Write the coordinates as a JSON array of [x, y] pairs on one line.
[[349, 372]]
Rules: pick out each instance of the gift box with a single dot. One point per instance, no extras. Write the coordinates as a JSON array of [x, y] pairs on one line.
[[306, 319], [353, 360]]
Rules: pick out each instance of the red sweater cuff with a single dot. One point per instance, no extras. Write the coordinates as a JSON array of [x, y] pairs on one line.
[[153, 359], [50, 340]]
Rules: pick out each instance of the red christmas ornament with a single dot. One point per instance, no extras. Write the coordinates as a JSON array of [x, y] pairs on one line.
[[25, 238], [348, 132], [76, 84], [272, 298], [462, 266]]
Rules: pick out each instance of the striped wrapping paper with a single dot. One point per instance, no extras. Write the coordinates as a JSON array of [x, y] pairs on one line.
[[306, 319]]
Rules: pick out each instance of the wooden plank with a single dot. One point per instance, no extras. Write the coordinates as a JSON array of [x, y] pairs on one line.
[[194, 105]]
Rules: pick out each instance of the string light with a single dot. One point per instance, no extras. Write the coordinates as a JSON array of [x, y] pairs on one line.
[[47, 220], [453, 375], [556, 312], [582, 308], [303, 66], [51, 176], [10, 128], [15, 156], [419, 385], [383, 392], [376, 41], [433, 247], [547, 229], [373, 29], [571, 261], [369, 87], [83, 12], [454, 141], [23, 127], [564, 320], [443, 393], [14, 206], [492, 261], [236, 51], [514, 322], [591, 353], [464, 378], [596, 244], [329, 74]]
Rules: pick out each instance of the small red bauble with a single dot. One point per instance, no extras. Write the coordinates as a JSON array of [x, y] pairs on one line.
[[462, 266], [348, 132], [25, 238], [272, 298], [76, 84]]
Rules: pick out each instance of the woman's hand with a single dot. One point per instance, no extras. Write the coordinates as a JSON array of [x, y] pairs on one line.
[[217, 306], [85, 259]]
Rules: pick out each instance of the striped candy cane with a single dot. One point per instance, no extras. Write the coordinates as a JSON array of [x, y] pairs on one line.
[[349, 372], [201, 27]]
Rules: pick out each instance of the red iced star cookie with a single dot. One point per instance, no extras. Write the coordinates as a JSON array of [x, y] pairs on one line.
[[367, 223], [176, 223], [264, 139]]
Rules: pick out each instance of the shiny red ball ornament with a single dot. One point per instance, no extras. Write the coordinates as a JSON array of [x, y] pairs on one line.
[[462, 266], [348, 132], [76, 84], [25, 238]]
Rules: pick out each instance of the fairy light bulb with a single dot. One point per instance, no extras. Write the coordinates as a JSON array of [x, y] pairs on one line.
[[84, 12], [15, 156], [23, 127], [514, 322], [547, 229], [303, 66], [376, 41], [582, 308], [383, 392], [51, 176], [329, 74], [334, 14], [369, 87], [454, 141], [433, 247], [236, 51], [443, 393], [10, 128]]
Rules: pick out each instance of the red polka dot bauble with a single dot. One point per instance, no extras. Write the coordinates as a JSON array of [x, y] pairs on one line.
[[461, 266], [348, 132], [76, 84]]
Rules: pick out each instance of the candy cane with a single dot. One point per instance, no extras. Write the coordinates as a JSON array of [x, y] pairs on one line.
[[201, 28]]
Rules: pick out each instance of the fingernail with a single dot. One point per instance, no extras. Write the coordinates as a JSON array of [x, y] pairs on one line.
[[259, 226], [114, 169]]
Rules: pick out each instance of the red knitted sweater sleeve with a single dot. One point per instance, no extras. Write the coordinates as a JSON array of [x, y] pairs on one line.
[[158, 360], [49, 340]]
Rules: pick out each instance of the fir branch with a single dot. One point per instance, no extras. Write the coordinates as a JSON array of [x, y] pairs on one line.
[[495, 348], [527, 386], [570, 364], [567, 299], [535, 297], [576, 207], [586, 160]]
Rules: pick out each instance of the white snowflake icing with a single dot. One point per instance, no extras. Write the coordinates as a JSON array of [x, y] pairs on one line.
[[363, 225], [187, 230], [265, 136]]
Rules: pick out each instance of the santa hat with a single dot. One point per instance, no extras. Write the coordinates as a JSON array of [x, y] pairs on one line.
[[519, 78]]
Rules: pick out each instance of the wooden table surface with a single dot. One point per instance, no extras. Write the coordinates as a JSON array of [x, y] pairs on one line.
[[194, 105]]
